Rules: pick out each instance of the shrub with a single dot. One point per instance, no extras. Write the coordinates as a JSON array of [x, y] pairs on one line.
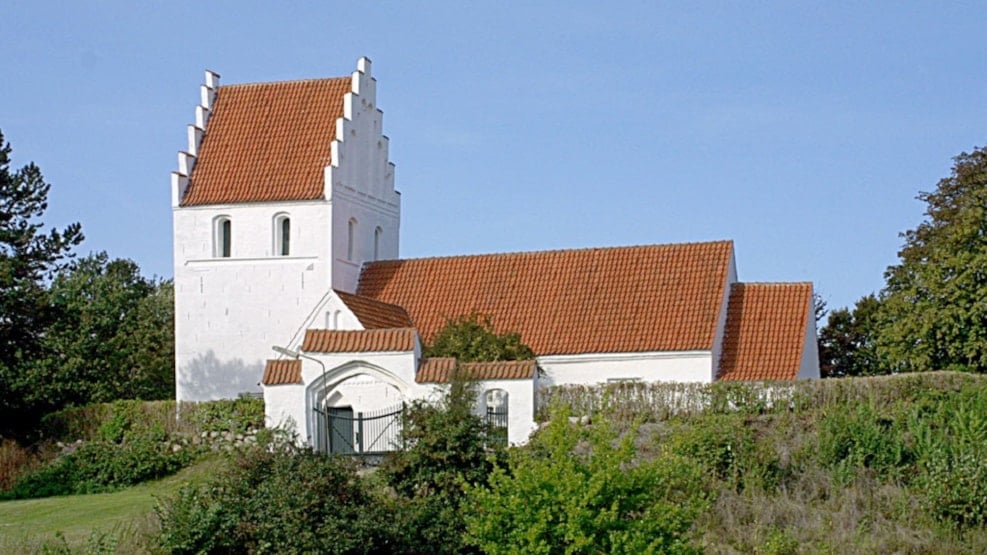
[[14, 461], [579, 489], [277, 499], [857, 439], [446, 448], [101, 466]]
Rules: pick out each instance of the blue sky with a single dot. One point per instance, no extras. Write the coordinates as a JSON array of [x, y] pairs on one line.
[[802, 131]]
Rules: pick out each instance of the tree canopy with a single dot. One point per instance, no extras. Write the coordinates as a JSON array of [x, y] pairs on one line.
[[71, 331], [472, 339], [933, 313]]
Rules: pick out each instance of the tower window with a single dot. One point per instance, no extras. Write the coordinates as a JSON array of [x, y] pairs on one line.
[[377, 233], [222, 237], [282, 235], [351, 239]]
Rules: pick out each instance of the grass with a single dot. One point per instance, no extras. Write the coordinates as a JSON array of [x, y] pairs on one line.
[[26, 526]]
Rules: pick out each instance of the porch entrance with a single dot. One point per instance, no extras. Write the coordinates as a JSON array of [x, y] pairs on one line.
[[340, 431]]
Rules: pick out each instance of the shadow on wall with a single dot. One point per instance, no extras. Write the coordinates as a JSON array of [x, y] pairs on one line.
[[207, 378]]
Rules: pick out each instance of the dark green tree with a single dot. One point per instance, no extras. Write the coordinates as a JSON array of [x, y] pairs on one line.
[[846, 343], [29, 255], [472, 339], [113, 338], [933, 312]]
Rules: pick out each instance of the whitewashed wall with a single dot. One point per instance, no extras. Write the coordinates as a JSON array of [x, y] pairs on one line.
[[682, 366], [521, 398], [809, 368], [230, 311]]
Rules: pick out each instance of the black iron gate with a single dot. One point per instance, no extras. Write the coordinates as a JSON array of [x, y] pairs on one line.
[[340, 431], [497, 424]]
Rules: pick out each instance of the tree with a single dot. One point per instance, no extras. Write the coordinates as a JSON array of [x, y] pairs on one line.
[[846, 344], [29, 256], [113, 338], [472, 339], [933, 315]]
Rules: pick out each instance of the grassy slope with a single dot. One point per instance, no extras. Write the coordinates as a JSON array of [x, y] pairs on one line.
[[24, 524]]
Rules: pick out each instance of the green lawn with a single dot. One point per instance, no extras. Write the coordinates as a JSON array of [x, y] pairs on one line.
[[27, 524]]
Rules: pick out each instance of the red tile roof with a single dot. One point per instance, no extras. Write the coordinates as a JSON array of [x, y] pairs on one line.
[[603, 300], [436, 369], [267, 142], [765, 331], [374, 314], [280, 372], [439, 370], [359, 341]]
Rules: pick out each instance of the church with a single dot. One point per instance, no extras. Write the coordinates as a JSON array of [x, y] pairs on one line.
[[289, 283]]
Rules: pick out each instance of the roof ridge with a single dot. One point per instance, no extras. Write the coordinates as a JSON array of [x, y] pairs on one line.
[[283, 82], [552, 251], [771, 283]]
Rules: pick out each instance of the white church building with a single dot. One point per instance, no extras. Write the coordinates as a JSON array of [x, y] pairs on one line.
[[288, 282]]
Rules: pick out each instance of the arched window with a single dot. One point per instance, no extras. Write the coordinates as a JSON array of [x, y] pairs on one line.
[[497, 414], [222, 237], [282, 235], [377, 233], [350, 239]]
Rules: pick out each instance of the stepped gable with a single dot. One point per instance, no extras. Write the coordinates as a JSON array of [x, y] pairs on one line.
[[599, 300], [267, 142], [765, 331], [374, 314]]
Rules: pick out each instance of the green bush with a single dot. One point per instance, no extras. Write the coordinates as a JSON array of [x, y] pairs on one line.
[[446, 447], [100, 466], [581, 490], [278, 499], [234, 415], [860, 438]]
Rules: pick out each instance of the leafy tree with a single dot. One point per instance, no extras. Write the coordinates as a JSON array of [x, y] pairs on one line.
[[29, 255], [846, 344], [472, 339], [933, 315], [113, 338]]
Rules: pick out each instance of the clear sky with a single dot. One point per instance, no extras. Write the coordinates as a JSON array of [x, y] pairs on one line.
[[801, 131]]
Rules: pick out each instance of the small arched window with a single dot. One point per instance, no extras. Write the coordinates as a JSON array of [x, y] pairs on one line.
[[351, 239], [377, 233], [282, 235], [222, 237]]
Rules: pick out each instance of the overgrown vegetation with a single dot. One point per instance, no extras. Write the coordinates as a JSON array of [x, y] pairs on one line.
[[866, 465], [109, 446]]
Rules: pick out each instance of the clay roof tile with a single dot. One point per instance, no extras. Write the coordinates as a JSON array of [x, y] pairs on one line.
[[267, 142], [765, 331], [602, 300]]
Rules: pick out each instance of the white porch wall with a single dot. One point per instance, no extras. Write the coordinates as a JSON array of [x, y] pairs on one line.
[[520, 406], [680, 366]]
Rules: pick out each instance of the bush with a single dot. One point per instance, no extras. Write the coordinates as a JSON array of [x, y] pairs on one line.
[[860, 438], [581, 490], [101, 466], [277, 499], [446, 447]]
